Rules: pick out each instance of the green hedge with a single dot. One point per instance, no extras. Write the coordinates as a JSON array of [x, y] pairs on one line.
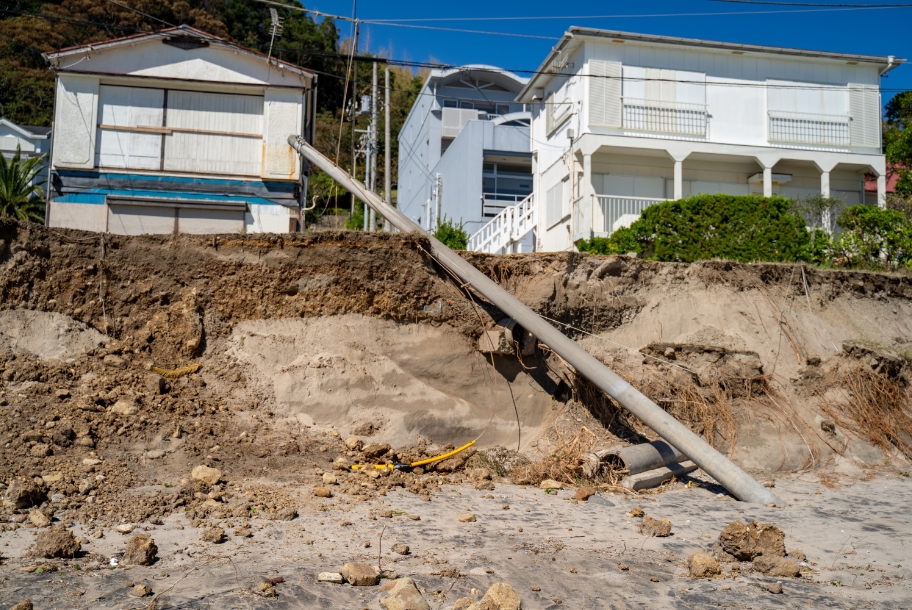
[[732, 227]]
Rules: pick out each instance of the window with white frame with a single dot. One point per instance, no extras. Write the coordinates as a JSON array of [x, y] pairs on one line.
[[558, 108], [554, 203]]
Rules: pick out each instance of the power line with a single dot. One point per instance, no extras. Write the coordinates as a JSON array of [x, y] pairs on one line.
[[863, 6], [846, 7], [130, 8]]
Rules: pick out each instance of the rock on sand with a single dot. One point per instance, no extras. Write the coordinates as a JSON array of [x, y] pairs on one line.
[[748, 541], [57, 541], [140, 551], [207, 475], [402, 594], [655, 527], [360, 574], [703, 565], [777, 567]]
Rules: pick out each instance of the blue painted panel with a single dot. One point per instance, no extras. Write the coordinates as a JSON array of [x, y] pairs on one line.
[[88, 198]]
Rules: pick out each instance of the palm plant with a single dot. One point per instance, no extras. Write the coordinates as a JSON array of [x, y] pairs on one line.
[[21, 193]]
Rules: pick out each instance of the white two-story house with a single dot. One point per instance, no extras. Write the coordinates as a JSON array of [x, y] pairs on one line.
[[464, 148], [622, 121], [177, 131]]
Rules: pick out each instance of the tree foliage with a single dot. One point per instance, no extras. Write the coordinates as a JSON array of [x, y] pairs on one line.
[[21, 192], [897, 139]]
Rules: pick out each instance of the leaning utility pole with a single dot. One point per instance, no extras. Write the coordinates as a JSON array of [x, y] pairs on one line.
[[372, 143], [354, 98], [387, 162]]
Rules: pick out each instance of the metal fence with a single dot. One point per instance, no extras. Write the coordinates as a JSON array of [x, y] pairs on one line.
[[802, 128], [665, 117]]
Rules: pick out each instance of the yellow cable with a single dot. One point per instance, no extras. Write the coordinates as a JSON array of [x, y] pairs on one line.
[[442, 457], [420, 462]]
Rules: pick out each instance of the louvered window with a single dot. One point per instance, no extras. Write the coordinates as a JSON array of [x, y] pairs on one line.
[[864, 107], [604, 93]]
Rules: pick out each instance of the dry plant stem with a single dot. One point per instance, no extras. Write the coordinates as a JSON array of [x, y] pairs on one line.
[[380, 549]]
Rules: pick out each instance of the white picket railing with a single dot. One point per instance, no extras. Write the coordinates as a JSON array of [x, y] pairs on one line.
[[665, 117], [804, 128], [502, 235], [606, 214]]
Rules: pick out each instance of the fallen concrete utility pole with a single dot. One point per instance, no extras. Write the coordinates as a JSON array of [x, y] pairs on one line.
[[736, 481]]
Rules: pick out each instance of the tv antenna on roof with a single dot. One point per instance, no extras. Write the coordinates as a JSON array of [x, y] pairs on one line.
[[277, 25]]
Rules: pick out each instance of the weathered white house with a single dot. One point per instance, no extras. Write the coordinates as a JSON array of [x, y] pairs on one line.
[[177, 131], [31, 141], [464, 148], [622, 121]]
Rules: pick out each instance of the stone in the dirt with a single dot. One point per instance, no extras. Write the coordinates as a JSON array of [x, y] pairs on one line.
[[401, 549], [23, 605], [112, 360], [484, 485], [287, 514], [703, 565], [402, 594], [375, 450], [56, 542], [141, 590], [360, 574], [90, 461], [747, 541], [655, 527], [124, 528], [777, 567], [141, 551], [157, 384], [365, 429], [215, 535], [40, 450], [584, 493], [463, 603], [797, 555], [481, 474], [333, 577], [125, 407], [500, 596], [243, 532], [386, 514], [323, 492], [23, 493], [341, 463], [550, 484], [774, 587], [266, 589], [467, 518], [637, 512], [329, 478], [354, 444], [210, 476], [39, 519]]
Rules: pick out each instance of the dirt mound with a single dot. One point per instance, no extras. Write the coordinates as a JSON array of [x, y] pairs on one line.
[[46, 335]]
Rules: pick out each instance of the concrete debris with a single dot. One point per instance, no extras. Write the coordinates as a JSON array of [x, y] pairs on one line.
[[550, 484], [124, 528], [331, 577], [39, 519]]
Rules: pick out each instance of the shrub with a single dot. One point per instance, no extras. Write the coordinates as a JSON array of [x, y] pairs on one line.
[[452, 236], [734, 227], [872, 237]]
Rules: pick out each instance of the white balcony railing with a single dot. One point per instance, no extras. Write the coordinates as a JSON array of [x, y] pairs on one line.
[[804, 128], [665, 117], [505, 231], [495, 203], [605, 214]]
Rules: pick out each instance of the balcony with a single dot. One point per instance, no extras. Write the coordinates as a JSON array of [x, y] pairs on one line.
[[804, 128], [665, 117], [605, 214]]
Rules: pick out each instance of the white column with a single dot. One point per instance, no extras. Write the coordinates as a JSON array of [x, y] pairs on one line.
[[767, 181], [678, 179], [881, 191], [825, 184]]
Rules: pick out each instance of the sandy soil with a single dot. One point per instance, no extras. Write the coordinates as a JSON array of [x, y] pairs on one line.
[[856, 539]]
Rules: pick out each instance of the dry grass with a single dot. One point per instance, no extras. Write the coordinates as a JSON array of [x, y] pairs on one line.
[[564, 464], [874, 407]]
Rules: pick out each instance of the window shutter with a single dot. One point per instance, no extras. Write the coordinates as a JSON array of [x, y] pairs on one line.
[[864, 108], [604, 93]]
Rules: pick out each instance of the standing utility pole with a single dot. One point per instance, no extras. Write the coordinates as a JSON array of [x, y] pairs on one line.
[[372, 139], [387, 163]]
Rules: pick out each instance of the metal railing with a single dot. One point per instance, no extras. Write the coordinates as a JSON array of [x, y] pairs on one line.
[[504, 232], [606, 214], [493, 204], [664, 117], [804, 128]]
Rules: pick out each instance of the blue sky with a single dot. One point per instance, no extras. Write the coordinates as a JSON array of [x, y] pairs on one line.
[[869, 31]]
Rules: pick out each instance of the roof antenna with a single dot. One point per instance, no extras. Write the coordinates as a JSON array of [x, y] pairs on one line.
[[277, 24]]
